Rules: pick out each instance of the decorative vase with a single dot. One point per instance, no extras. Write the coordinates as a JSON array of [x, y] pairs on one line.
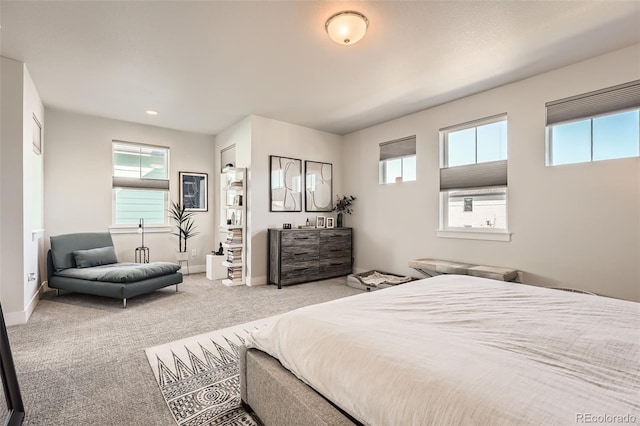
[[339, 220]]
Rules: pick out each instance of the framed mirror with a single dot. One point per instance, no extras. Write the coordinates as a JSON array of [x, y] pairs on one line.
[[318, 186], [285, 192], [14, 414]]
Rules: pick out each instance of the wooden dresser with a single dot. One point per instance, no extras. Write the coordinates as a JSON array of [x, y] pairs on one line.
[[300, 255]]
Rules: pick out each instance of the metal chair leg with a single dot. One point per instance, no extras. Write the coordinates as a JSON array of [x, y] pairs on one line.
[[57, 292], [176, 288], [124, 303]]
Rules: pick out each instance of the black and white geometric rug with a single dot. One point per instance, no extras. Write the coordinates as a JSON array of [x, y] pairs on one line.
[[199, 376]]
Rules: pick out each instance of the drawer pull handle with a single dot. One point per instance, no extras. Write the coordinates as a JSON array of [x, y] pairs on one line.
[[301, 238]]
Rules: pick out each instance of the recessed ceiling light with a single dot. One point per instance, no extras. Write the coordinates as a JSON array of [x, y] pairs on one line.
[[151, 112]]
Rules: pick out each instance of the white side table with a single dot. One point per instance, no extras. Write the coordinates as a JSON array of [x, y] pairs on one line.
[[215, 269]]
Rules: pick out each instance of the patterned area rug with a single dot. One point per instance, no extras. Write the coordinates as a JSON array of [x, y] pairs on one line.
[[199, 376]]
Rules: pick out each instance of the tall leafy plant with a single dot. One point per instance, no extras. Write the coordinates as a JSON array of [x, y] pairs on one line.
[[186, 227]]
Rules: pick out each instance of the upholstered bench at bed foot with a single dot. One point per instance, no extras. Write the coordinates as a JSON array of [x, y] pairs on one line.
[[433, 267]]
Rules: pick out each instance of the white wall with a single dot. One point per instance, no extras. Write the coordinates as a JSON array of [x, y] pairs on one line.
[[20, 185], [573, 226], [78, 170], [11, 229]]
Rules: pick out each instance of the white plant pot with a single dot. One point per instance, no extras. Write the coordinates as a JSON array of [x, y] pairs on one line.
[[183, 255]]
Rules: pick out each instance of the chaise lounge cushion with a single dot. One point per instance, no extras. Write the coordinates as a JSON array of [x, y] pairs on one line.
[[121, 272], [63, 246], [95, 257]]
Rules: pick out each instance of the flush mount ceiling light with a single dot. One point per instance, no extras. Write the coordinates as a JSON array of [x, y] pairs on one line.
[[347, 27], [151, 112]]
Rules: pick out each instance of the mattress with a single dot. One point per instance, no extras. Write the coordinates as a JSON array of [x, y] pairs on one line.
[[465, 350]]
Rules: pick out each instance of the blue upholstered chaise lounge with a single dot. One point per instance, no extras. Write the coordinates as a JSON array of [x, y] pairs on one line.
[[87, 263]]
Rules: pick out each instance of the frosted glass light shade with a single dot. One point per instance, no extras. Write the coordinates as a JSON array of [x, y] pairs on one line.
[[347, 27]]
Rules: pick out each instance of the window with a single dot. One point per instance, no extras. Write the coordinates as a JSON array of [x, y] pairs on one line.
[[140, 184], [473, 176], [600, 125], [398, 161]]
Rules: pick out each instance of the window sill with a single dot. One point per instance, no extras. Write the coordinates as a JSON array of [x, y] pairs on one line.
[[475, 235], [133, 229]]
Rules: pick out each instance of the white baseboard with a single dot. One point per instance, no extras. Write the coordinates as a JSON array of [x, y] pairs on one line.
[[254, 281], [21, 317], [193, 269]]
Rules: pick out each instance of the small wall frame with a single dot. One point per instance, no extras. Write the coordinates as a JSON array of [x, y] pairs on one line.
[[193, 191]]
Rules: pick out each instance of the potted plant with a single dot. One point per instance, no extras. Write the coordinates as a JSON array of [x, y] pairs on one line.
[[186, 227], [343, 205]]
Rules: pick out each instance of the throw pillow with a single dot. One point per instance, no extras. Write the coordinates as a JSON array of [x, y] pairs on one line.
[[95, 257]]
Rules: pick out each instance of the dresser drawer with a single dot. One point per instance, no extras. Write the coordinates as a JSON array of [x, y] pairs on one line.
[[332, 251], [297, 256], [331, 240], [298, 274], [299, 238], [335, 267]]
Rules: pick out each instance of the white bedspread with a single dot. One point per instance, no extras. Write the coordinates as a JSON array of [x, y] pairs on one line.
[[460, 350]]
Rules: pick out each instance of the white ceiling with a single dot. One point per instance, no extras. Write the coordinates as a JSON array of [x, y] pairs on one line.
[[204, 65]]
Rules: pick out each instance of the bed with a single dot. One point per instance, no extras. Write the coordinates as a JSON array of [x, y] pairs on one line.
[[448, 350]]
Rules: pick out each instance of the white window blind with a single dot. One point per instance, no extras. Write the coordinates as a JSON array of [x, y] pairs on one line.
[[479, 175], [616, 98], [398, 148]]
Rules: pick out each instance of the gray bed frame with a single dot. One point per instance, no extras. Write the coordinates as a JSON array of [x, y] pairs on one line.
[[279, 398]]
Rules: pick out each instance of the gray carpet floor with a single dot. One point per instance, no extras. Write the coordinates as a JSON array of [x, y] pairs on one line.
[[80, 359]]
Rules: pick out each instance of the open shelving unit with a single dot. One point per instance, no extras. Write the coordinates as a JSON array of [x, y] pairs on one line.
[[233, 211]]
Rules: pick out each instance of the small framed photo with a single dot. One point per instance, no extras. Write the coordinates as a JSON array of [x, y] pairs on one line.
[[330, 222], [320, 221], [193, 191]]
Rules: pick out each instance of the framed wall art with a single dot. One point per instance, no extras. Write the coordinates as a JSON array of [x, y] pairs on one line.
[[285, 179], [193, 191], [37, 136], [318, 186]]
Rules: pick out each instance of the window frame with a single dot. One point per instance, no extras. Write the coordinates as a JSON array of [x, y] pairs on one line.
[[549, 137], [382, 170], [133, 228], [446, 231]]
